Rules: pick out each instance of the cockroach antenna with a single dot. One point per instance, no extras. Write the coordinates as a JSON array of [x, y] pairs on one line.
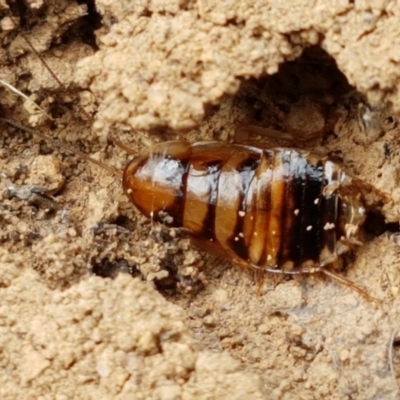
[[64, 147], [36, 53]]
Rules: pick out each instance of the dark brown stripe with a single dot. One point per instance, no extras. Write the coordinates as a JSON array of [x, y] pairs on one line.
[[311, 213], [287, 218], [269, 156], [318, 210]]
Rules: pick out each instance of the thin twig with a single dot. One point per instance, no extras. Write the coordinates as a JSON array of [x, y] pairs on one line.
[[24, 96]]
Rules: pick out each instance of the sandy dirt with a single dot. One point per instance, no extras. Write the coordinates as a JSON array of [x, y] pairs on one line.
[[97, 302]]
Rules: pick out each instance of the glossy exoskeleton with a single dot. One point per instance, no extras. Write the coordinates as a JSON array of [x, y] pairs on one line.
[[279, 210]]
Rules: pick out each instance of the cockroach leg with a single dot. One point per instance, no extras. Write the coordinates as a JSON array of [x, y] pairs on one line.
[[343, 281], [64, 147], [122, 145], [243, 134], [323, 270]]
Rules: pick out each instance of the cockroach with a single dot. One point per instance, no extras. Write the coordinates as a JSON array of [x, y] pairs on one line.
[[279, 210]]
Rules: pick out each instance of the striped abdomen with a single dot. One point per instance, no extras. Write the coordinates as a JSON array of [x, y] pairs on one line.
[[270, 208]]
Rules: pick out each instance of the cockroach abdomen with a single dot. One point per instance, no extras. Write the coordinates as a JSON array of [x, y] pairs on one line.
[[275, 209]]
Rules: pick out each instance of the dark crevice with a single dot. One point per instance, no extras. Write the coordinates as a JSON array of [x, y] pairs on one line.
[[86, 26]]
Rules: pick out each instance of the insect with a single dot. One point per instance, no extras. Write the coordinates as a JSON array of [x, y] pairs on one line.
[[279, 210]]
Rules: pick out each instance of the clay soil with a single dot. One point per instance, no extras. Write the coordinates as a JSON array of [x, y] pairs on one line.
[[96, 301]]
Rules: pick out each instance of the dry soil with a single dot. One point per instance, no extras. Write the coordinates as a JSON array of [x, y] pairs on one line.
[[177, 323]]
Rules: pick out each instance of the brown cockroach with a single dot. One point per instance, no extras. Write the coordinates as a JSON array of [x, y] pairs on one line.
[[279, 210]]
